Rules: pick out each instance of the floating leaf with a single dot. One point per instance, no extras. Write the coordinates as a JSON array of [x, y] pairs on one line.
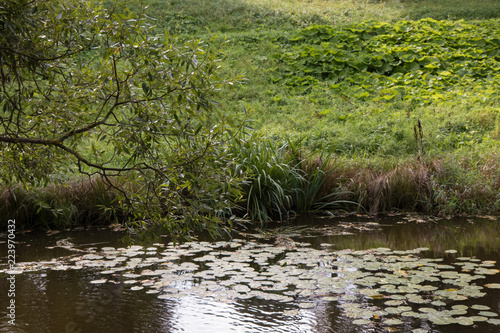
[[494, 321], [493, 285], [108, 272], [464, 321], [306, 305], [480, 307], [392, 322], [361, 322], [487, 314], [135, 288]]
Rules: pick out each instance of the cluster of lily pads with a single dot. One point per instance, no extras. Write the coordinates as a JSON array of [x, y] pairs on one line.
[[373, 287]]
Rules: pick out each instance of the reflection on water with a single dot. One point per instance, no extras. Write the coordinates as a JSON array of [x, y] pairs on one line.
[[244, 317], [49, 300]]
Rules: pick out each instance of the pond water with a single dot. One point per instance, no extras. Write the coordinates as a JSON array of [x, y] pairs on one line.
[[355, 274]]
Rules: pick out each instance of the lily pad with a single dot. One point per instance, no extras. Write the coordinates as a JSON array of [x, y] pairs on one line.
[[493, 285], [306, 305], [480, 307], [135, 288], [108, 272], [362, 322], [392, 322], [465, 321], [488, 314]]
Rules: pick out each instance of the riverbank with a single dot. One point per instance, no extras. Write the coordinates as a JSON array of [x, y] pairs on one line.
[[445, 187], [416, 131]]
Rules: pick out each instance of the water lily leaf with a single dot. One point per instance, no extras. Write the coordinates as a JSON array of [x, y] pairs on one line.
[[137, 288], [464, 321], [412, 314], [291, 313], [486, 271], [422, 249], [480, 307], [487, 314], [460, 307], [306, 305], [330, 299], [131, 276], [100, 281], [439, 318], [493, 285], [392, 322], [362, 322], [130, 281], [108, 272], [92, 257]]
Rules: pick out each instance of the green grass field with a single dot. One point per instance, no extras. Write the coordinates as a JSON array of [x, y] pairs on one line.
[[282, 99]]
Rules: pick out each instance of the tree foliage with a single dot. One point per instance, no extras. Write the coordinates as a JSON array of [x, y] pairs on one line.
[[94, 87]]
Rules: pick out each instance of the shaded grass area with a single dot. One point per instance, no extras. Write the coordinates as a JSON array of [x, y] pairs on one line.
[[84, 203]]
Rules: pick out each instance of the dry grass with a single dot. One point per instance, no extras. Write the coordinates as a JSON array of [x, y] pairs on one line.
[[440, 186]]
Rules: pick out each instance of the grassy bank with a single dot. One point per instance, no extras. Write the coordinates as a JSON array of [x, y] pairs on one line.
[[281, 182], [337, 123]]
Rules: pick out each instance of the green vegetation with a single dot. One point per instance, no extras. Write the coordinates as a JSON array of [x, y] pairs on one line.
[[422, 62], [363, 105]]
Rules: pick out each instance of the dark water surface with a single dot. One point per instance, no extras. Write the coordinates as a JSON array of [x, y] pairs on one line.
[[312, 275]]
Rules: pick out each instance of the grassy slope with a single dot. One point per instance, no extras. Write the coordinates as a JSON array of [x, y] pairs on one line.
[[371, 141], [257, 30]]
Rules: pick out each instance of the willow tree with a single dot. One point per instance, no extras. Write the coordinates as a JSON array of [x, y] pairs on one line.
[[93, 88]]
